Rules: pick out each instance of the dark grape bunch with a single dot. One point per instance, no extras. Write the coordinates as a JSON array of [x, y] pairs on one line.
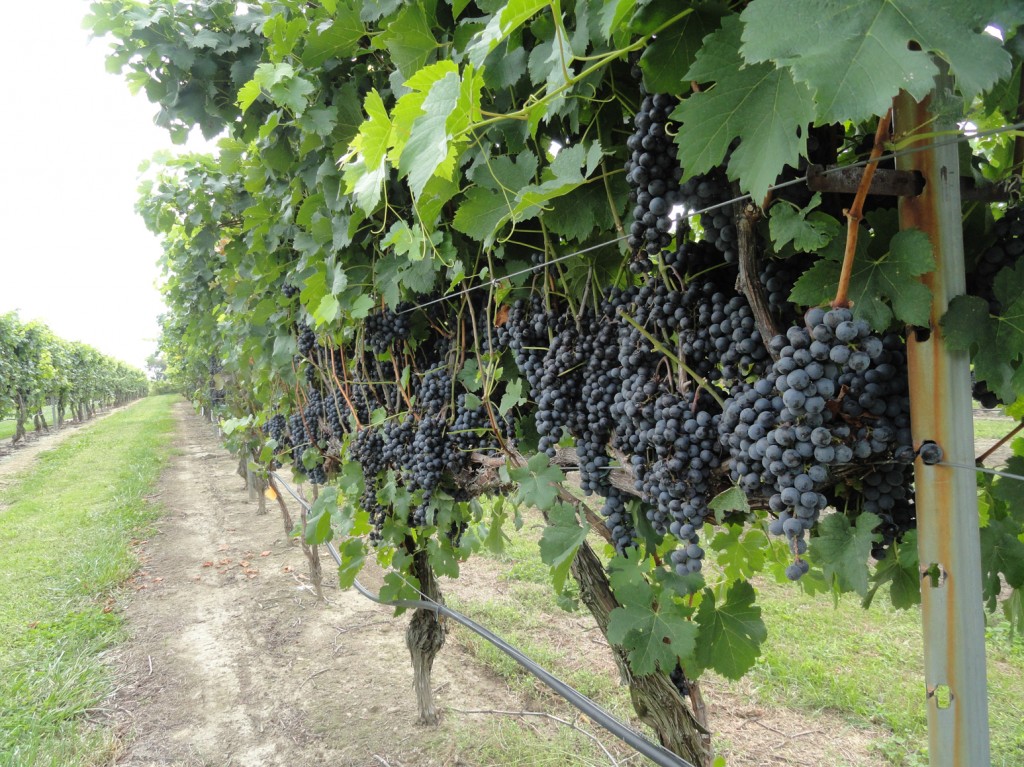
[[653, 174], [836, 397], [711, 190], [383, 328]]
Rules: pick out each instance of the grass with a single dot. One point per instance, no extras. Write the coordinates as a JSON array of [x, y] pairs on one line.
[[66, 534], [865, 666], [871, 670], [993, 428]]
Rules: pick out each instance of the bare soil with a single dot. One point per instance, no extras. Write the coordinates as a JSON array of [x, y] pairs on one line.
[[233, 663]]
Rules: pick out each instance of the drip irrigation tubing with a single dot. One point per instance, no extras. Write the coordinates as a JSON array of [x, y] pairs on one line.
[[656, 753], [962, 136]]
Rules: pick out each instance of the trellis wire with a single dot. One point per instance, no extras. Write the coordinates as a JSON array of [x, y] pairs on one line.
[[962, 136], [656, 753], [995, 472]]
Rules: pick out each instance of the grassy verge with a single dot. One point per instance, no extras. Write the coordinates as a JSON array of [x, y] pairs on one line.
[[66, 532], [865, 666]]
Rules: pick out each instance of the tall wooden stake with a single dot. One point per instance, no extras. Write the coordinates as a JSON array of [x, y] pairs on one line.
[[946, 497]]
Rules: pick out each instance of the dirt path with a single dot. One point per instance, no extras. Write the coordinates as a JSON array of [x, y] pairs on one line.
[[233, 664]]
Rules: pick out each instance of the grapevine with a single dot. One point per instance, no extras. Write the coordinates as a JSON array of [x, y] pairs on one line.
[[456, 256]]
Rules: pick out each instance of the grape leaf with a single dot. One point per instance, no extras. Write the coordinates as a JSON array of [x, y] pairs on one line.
[[665, 60], [881, 288], [759, 104], [538, 481], [481, 214], [560, 541], [996, 343], [899, 569], [409, 40], [857, 56], [509, 17], [1002, 552], [739, 555], [807, 229], [733, 499], [512, 397], [427, 150], [353, 556], [318, 522], [336, 40], [655, 637], [731, 634], [843, 550]]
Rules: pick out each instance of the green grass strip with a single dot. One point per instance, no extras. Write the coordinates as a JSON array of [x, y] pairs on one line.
[[66, 528]]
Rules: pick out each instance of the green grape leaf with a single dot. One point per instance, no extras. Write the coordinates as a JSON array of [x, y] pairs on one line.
[[882, 288], [808, 230], [481, 214], [614, 14], [628, 582], [654, 637], [857, 56], [509, 17], [740, 554], [442, 559], [353, 557], [512, 397], [538, 481], [731, 634], [996, 344], [575, 215], [843, 550], [318, 521], [427, 149], [899, 569], [327, 311], [1011, 491], [1002, 552], [560, 541], [338, 40], [733, 499], [759, 104], [408, 39], [669, 55]]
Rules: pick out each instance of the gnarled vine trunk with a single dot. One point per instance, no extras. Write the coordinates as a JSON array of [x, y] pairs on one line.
[[655, 699], [425, 637]]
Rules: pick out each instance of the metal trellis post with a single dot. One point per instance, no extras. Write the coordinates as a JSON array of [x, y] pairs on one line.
[[946, 497]]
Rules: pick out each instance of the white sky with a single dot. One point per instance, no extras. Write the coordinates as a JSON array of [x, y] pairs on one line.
[[73, 252]]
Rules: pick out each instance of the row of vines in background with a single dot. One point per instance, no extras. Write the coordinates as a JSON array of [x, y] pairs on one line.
[[449, 252], [38, 370]]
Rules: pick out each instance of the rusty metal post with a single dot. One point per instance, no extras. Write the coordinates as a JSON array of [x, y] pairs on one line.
[[947, 505]]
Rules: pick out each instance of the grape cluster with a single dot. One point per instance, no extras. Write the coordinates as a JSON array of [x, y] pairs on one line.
[[712, 190], [653, 174], [836, 396], [383, 328], [307, 339]]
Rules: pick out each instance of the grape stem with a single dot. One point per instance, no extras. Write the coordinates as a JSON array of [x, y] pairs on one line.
[[855, 212]]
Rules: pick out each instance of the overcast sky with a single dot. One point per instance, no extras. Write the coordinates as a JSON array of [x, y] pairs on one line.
[[73, 253]]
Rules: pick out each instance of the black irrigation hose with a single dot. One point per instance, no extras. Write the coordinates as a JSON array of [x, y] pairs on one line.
[[656, 753]]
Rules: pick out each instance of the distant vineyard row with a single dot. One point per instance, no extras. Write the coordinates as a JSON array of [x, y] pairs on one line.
[[38, 369]]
